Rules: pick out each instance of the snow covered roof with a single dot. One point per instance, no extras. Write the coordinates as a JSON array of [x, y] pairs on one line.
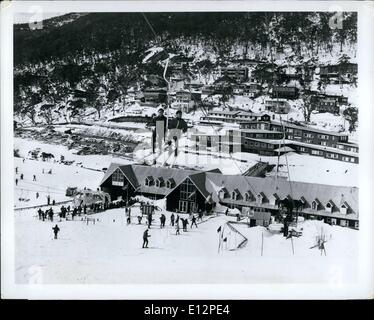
[[284, 149]]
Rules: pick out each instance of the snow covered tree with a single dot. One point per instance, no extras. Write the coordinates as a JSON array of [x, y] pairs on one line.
[[307, 106], [351, 115]]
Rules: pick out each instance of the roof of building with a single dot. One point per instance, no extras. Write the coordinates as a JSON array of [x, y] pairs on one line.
[[270, 185]]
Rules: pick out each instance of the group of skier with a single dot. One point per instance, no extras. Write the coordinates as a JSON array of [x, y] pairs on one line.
[[174, 222]]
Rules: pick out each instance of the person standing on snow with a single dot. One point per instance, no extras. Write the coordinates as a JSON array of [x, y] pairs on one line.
[[177, 228], [158, 134], [193, 221], [162, 219], [16, 182], [177, 126], [56, 229], [145, 238], [172, 218]]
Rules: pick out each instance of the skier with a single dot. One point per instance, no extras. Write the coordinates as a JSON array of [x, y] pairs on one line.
[[53, 202], [85, 209], [139, 219], [149, 220], [34, 177], [56, 229], [162, 219], [177, 228], [176, 127], [74, 213], [16, 182], [48, 200], [40, 213], [172, 218], [227, 211], [193, 221], [50, 213], [158, 134], [184, 224], [200, 216], [79, 210], [129, 217], [21, 176], [145, 238], [37, 195], [16, 170]]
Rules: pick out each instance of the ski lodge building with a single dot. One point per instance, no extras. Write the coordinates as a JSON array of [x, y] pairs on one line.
[[269, 138], [193, 191]]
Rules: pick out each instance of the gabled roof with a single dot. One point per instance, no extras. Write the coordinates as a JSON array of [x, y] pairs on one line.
[[127, 171]]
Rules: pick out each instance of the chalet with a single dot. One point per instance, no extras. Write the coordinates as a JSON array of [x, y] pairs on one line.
[[188, 191], [344, 72], [326, 104], [277, 106], [239, 74], [252, 90], [284, 92]]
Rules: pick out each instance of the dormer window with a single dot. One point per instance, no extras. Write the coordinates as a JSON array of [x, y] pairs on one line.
[[149, 181], [222, 193], [249, 196], [170, 183], [330, 206], [274, 199], [235, 195], [159, 182], [260, 198], [315, 204], [344, 208]]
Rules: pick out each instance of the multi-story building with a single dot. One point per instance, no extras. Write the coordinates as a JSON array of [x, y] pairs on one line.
[[154, 96], [233, 116], [344, 71], [277, 106], [239, 74], [284, 92], [186, 100]]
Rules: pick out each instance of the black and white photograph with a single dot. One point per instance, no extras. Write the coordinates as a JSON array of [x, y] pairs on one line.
[[176, 146]]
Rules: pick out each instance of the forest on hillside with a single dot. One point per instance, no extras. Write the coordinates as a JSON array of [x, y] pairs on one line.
[[100, 55]]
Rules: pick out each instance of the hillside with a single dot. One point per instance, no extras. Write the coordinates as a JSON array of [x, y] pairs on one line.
[[80, 64]]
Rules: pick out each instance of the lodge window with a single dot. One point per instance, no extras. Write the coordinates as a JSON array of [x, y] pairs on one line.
[[188, 191], [118, 178]]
